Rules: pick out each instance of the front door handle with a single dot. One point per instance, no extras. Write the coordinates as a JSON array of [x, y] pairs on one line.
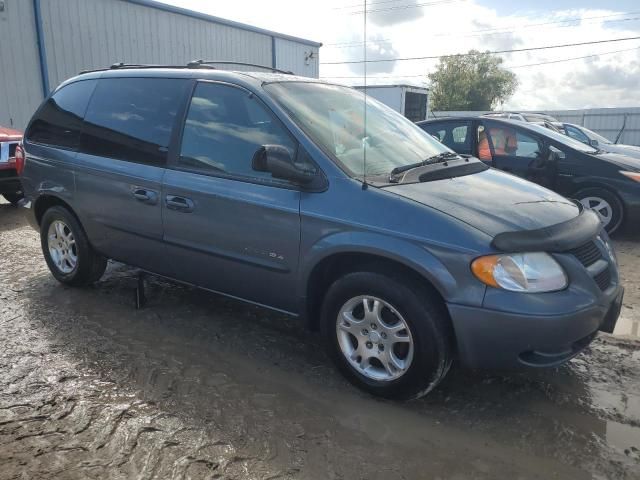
[[180, 204], [145, 196]]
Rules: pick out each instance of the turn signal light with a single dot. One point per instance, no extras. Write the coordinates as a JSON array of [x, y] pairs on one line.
[[632, 175], [483, 268]]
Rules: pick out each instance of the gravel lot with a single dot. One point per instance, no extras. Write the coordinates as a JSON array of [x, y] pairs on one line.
[[198, 386]]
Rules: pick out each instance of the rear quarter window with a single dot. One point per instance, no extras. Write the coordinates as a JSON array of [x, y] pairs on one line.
[[58, 122], [132, 119]]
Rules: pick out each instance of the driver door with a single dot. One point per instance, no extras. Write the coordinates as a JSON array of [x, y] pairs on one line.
[[227, 227], [519, 152]]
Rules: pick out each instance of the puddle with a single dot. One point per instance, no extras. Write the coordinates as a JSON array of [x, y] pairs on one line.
[[624, 437]]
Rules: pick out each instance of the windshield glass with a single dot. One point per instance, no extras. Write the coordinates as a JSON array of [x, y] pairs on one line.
[[594, 136], [563, 139], [333, 116]]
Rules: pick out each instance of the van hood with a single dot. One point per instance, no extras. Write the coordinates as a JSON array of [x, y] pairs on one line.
[[492, 201]]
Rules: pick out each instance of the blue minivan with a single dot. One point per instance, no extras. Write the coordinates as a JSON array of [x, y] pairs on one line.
[[308, 198]]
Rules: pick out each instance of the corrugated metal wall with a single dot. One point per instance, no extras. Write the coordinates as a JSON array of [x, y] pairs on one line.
[[20, 84], [86, 34], [606, 121], [292, 56]]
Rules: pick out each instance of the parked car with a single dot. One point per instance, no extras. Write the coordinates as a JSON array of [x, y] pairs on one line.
[[531, 117], [255, 185], [589, 137], [541, 119], [605, 182], [10, 187]]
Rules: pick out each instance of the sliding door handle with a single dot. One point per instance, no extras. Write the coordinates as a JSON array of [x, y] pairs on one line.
[[145, 196]]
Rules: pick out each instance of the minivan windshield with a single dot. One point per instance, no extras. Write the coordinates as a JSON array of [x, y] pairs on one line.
[[563, 139], [334, 117]]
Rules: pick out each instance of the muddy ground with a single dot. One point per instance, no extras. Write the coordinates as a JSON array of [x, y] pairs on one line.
[[198, 386]]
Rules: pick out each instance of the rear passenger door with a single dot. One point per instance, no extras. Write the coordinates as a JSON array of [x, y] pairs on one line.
[[227, 227], [454, 134], [123, 152]]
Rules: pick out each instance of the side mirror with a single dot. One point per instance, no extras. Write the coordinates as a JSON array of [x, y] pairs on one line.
[[278, 161], [594, 142]]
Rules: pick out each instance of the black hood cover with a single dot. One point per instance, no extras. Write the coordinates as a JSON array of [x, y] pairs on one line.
[[555, 238]]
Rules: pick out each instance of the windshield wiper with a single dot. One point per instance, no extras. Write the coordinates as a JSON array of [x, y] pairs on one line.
[[441, 157]]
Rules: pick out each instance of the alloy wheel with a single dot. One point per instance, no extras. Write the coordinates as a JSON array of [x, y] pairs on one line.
[[374, 338], [62, 246], [601, 207]]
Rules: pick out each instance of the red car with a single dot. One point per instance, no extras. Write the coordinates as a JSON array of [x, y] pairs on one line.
[[10, 187]]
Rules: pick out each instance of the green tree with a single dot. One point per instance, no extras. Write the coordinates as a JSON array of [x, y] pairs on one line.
[[475, 81]]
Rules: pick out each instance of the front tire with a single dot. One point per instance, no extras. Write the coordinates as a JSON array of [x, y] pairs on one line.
[[606, 204], [67, 251], [386, 337]]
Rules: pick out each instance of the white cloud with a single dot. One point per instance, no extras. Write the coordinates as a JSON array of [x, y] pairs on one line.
[[458, 26]]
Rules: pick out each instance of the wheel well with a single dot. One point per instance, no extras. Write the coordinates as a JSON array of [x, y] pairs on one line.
[[588, 186], [338, 265], [45, 202]]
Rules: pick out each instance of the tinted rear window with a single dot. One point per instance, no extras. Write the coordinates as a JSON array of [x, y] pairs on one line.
[[132, 118], [58, 121]]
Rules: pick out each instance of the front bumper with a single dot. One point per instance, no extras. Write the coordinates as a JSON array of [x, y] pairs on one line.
[[491, 339], [9, 181]]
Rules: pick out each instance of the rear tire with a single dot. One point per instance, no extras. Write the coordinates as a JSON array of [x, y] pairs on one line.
[[606, 204], [405, 364], [13, 198], [67, 251]]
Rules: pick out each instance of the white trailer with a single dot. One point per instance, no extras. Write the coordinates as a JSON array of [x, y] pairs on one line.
[[409, 100]]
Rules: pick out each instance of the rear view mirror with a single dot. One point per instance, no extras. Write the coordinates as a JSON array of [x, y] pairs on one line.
[[594, 143], [278, 161]]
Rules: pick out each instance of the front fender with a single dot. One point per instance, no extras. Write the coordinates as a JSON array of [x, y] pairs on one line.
[[445, 267]]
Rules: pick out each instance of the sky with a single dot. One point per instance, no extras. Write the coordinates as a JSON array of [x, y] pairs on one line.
[[609, 76]]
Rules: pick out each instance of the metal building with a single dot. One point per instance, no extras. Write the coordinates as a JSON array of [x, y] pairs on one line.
[[44, 42], [409, 100]]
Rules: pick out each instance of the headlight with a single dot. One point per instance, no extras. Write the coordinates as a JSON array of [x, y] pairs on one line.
[[632, 175], [520, 272]]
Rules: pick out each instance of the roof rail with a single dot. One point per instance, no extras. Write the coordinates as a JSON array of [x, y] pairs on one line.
[[121, 65], [203, 63], [192, 64]]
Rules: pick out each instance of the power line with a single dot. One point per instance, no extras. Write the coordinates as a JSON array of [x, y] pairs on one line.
[[506, 66], [405, 7], [573, 58], [360, 5], [514, 50], [502, 30]]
